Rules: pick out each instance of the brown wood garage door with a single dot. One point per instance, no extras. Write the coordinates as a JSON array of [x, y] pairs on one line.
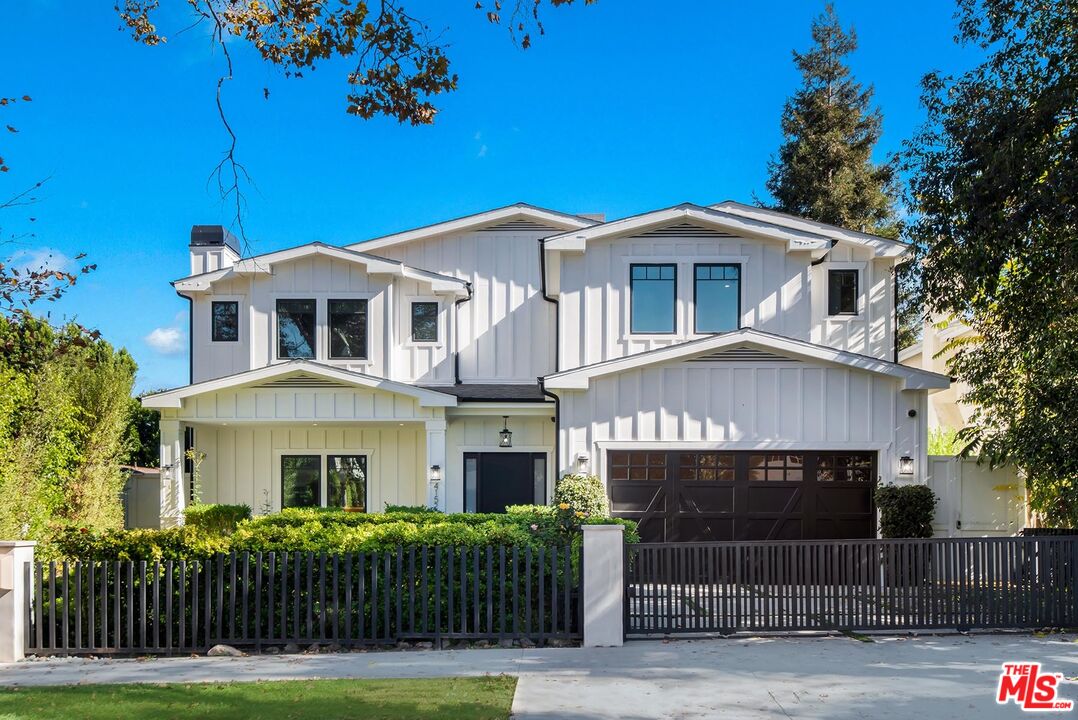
[[709, 495]]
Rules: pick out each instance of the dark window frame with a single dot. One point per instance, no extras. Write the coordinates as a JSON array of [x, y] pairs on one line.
[[214, 336], [411, 320], [277, 328], [318, 494], [832, 303], [696, 306], [632, 330], [366, 477], [366, 329]]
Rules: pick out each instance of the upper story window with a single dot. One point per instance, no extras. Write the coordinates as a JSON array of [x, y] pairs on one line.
[[653, 298], [226, 321], [295, 328], [842, 292], [717, 297], [348, 329], [424, 322]]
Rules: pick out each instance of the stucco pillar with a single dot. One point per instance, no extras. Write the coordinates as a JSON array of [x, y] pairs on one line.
[[14, 554], [435, 479], [173, 495], [604, 585]]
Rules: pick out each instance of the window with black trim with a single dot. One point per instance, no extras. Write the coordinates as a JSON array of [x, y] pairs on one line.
[[348, 329], [295, 328], [653, 298], [841, 292], [226, 320], [301, 481], [346, 482], [424, 322], [717, 297]]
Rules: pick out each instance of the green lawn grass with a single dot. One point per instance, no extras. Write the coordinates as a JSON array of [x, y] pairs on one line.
[[479, 698]]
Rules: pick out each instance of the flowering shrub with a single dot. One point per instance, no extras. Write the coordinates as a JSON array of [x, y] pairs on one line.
[[583, 493]]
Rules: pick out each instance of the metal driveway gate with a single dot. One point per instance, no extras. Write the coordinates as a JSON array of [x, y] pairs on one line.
[[1021, 582]]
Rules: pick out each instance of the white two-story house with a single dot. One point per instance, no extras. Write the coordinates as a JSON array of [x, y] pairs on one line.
[[729, 372]]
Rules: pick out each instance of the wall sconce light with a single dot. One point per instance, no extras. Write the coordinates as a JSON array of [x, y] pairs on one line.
[[905, 465], [505, 437], [582, 461], [435, 473]]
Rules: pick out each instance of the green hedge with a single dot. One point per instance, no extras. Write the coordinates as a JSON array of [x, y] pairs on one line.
[[335, 531], [216, 519], [906, 511]]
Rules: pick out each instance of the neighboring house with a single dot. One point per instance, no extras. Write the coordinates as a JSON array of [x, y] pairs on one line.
[[727, 371], [946, 411]]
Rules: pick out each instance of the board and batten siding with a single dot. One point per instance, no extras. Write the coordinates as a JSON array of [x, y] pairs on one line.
[[479, 433], [506, 331], [781, 293], [268, 403], [243, 463], [390, 352], [796, 405]]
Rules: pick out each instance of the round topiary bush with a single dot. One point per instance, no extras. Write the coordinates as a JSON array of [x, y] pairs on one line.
[[583, 493]]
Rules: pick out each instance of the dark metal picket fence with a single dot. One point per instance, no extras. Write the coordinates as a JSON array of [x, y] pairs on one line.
[[258, 599], [851, 585]]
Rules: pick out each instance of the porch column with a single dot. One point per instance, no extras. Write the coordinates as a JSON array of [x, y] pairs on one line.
[[173, 496], [435, 456]]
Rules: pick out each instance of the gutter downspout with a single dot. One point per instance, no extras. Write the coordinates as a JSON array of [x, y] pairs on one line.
[[190, 337], [456, 335], [553, 301], [557, 428]]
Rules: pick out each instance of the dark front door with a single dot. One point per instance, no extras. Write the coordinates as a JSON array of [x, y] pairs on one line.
[[497, 479], [712, 495]]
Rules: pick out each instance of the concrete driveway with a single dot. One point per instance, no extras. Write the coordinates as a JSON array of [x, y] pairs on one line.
[[788, 677]]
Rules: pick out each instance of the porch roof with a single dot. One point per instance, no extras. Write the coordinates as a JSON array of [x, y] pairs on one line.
[[301, 372]]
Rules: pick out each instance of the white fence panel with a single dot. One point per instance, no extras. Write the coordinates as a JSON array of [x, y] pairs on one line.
[[975, 501]]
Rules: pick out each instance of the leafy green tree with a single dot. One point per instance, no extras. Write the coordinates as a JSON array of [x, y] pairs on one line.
[[63, 427], [824, 170], [995, 186], [143, 435]]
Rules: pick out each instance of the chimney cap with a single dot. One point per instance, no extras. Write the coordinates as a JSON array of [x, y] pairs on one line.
[[213, 235]]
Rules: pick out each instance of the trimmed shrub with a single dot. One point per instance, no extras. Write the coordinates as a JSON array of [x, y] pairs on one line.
[[335, 531], [584, 493], [394, 509], [216, 519], [906, 511]]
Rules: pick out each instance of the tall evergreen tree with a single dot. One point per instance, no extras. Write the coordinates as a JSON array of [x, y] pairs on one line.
[[824, 169]]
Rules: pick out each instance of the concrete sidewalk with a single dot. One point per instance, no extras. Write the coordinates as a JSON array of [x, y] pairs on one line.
[[829, 677]]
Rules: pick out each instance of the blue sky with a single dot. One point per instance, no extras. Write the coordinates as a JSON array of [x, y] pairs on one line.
[[622, 107]]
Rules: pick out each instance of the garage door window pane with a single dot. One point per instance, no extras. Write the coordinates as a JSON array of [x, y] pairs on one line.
[[346, 482], [653, 298], [301, 480]]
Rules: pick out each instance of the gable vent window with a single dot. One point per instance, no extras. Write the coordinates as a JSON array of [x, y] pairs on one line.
[[652, 290], [226, 321], [424, 322], [717, 295], [348, 329], [295, 328], [842, 292]]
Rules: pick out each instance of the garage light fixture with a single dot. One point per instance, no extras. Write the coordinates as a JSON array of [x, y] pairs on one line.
[[905, 465], [505, 437]]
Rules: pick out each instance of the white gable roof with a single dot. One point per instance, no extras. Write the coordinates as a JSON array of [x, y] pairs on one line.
[[794, 238], [302, 369], [497, 216], [883, 247], [263, 264], [911, 378]]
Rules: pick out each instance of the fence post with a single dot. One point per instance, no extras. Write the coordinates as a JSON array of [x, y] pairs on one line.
[[14, 554], [604, 585]]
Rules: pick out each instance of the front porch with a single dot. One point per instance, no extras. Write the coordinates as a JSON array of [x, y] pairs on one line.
[[300, 434]]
